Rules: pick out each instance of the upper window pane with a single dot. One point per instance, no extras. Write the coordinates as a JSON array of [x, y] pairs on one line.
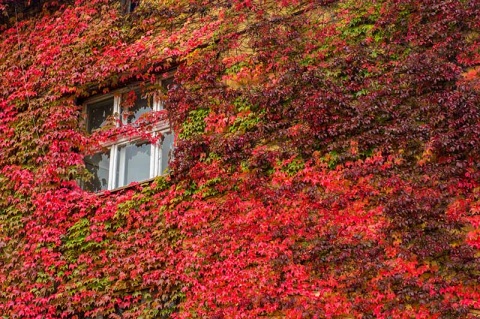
[[98, 113], [133, 163], [133, 106]]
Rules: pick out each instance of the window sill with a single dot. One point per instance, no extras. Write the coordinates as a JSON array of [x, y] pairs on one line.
[[126, 187]]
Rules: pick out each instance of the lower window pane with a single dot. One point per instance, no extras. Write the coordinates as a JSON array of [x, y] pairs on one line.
[[98, 165], [133, 163]]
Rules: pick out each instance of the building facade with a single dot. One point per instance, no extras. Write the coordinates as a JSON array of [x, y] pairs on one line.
[[239, 159]]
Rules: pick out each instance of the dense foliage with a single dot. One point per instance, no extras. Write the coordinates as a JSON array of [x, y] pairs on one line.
[[327, 160]]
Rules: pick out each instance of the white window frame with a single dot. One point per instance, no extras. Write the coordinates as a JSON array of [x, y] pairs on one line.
[[114, 145]]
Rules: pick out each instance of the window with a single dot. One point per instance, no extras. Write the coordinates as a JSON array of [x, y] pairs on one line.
[[126, 159], [128, 6]]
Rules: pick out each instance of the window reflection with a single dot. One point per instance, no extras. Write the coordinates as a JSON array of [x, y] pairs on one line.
[[131, 114], [98, 114], [133, 163]]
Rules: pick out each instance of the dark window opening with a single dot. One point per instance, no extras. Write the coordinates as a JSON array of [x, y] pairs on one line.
[[128, 6]]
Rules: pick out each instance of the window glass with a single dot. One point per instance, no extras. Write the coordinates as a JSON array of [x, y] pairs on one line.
[[131, 113], [133, 163], [167, 84], [167, 148], [98, 113], [128, 6], [133, 5], [98, 166]]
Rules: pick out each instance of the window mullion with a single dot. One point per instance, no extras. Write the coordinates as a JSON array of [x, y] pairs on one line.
[[117, 109], [121, 162], [156, 160], [152, 160], [112, 167], [114, 180]]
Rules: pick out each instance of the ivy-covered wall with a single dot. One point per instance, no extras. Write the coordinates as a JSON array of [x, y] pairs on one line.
[[327, 160]]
